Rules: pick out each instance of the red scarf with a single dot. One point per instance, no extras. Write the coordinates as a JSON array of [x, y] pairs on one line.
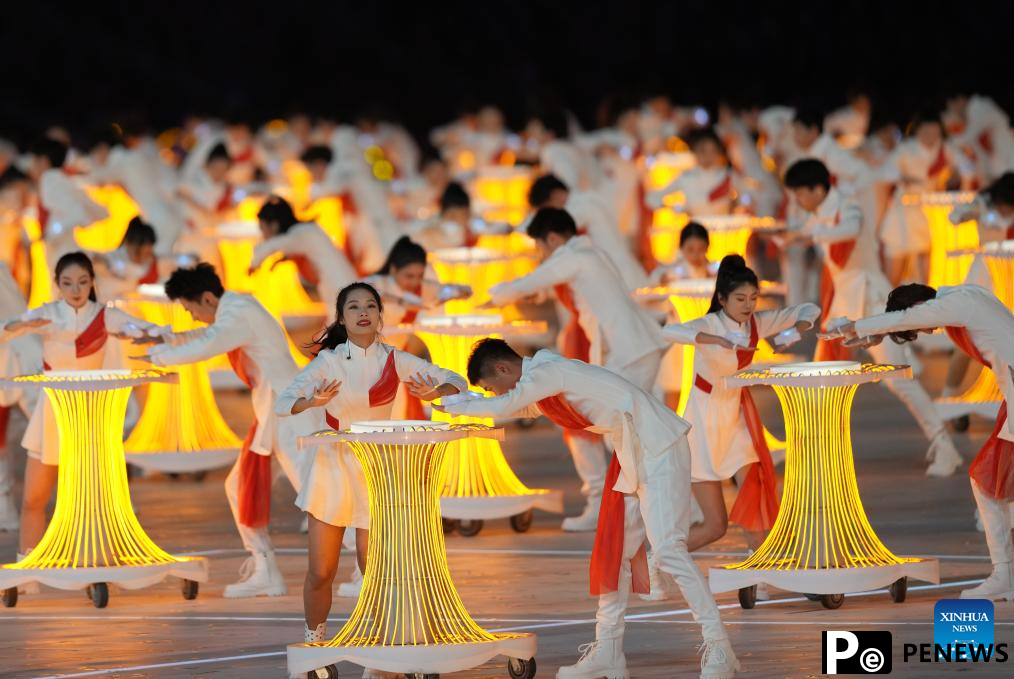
[[575, 343], [151, 275], [254, 469], [993, 466], [91, 340], [839, 253], [225, 202], [723, 189], [381, 393], [939, 164], [756, 506], [607, 554]]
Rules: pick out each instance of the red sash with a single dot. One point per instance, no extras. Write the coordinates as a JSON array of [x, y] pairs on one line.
[[225, 202], [5, 416], [381, 393], [839, 253], [993, 466], [939, 163], [607, 554], [575, 343], [254, 470], [307, 271], [722, 190], [756, 505], [645, 217], [151, 275], [986, 142], [91, 340]]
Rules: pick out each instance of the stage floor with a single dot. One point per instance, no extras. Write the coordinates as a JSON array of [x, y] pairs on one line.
[[534, 582]]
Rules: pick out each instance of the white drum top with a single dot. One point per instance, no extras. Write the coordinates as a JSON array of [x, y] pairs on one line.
[[401, 432], [817, 374], [92, 380]]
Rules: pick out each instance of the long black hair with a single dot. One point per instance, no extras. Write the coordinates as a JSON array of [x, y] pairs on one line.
[[732, 273], [77, 259], [336, 333], [905, 297], [405, 251]]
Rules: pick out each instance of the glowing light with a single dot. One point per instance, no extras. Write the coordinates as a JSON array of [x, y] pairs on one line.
[[728, 234], [662, 169], [373, 154], [383, 170], [945, 237], [328, 214], [93, 523], [41, 285], [107, 234], [501, 193], [481, 269]]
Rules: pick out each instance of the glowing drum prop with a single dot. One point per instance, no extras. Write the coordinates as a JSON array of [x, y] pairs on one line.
[[409, 617], [501, 193], [821, 542], [94, 537], [478, 268], [728, 234], [945, 237], [479, 484], [180, 428]]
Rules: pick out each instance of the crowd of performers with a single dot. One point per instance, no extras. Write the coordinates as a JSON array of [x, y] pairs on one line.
[[652, 480]]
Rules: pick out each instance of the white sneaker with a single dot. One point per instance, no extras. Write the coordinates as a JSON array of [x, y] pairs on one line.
[[315, 635], [598, 659], [304, 526], [588, 520], [717, 659], [352, 588], [9, 520], [661, 584], [945, 457], [259, 575], [999, 585]]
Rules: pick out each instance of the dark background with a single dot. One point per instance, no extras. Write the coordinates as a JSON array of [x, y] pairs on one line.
[[87, 63]]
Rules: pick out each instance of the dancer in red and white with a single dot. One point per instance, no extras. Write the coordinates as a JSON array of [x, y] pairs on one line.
[[353, 378], [207, 193], [132, 264], [982, 129], [606, 327], [727, 435], [256, 345], [647, 490], [854, 286], [711, 186], [320, 263], [75, 332], [980, 325]]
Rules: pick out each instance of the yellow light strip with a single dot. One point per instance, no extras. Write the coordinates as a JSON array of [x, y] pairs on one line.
[[481, 276], [944, 237], [107, 234]]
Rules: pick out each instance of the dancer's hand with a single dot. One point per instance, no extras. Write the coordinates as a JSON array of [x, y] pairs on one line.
[[324, 393], [426, 388]]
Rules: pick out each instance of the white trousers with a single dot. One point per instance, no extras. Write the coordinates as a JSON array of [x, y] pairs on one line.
[[908, 391], [258, 539], [995, 516], [660, 511]]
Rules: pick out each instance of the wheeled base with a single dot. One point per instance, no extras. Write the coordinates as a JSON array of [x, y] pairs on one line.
[[467, 515]]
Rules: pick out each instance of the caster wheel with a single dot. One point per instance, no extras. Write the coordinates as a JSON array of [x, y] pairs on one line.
[[522, 522], [174, 476], [521, 669], [899, 590], [99, 593], [10, 597], [961, 424], [199, 476], [526, 423], [470, 529], [449, 525], [832, 601], [812, 597], [329, 672], [189, 589], [748, 597]]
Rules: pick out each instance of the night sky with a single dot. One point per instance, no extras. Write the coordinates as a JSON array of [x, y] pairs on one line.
[[154, 61]]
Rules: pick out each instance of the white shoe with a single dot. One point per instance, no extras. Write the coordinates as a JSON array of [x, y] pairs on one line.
[[304, 527], [661, 584], [717, 659], [600, 658], [999, 585], [352, 588], [9, 520], [316, 635], [588, 519], [945, 457], [259, 575]]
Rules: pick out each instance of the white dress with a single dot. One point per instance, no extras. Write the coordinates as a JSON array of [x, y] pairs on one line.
[[333, 488]]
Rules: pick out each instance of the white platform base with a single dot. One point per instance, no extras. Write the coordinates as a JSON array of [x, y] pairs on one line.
[[949, 408], [127, 577], [500, 506], [421, 659], [824, 581], [183, 463]]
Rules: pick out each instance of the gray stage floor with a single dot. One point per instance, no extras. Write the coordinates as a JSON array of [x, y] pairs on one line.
[[536, 581]]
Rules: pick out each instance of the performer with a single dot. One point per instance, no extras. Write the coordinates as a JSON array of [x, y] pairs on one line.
[[982, 326], [238, 326], [854, 286], [711, 186], [74, 332], [606, 328], [727, 435], [320, 263], [648, 489], [353, 378], [133, 263]]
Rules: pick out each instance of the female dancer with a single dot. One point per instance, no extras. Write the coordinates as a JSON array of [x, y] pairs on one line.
[[354, 377]]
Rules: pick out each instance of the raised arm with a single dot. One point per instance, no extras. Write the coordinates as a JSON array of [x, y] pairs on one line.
[[283, 242], [685, 333], [317, 373], [447, 381], [552, 271], [536, 384], [849, 226], [228, 332], [951, 309], [776, 320]]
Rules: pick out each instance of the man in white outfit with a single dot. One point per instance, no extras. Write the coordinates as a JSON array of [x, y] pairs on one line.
[[649, 499]]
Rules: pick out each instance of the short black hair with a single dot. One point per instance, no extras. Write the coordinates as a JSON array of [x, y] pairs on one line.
[[139, 232], [543, 187], [807, 173], [190, 284], [809, 118], [317, 154], [52, 150], [552, 220], [106, 135], [218, 152], [699, 136], [694, 230], [12, 175], [484, 354], [454, 195], [277, 209], [904, 297], [1001, 191]]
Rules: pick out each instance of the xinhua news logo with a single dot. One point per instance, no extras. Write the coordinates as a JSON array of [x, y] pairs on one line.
[[857, 652], [965, 624]]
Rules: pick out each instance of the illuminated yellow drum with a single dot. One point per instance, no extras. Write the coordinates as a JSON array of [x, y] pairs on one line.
[[501, 193], [409, 617], [480, 269], [479, 484], [728, 234], [94, 537], [945, 269], [180, 428], [822, 542]]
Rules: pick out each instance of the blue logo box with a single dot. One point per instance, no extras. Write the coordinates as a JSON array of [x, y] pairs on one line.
[[963, 621]]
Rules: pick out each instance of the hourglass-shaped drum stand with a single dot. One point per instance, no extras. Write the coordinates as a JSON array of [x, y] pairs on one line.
[[728, 234], [409, 617], [945, 268], [822, 542], [480, 269], [180, 428], [479, 484], [94, 537]]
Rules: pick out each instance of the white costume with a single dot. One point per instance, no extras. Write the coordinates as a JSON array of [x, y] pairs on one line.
[[564, 159], [306, 243], [116, 275], [708, 192], [987, 131], [333, 488], [592, 215], [649, 441], [64, 205]]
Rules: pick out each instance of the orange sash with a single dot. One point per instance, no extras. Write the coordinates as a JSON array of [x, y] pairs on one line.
[[254, 470]]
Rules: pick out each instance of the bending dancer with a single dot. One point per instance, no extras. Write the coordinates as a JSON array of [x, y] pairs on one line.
[[981, 326], [647, 490], [354, 377]]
